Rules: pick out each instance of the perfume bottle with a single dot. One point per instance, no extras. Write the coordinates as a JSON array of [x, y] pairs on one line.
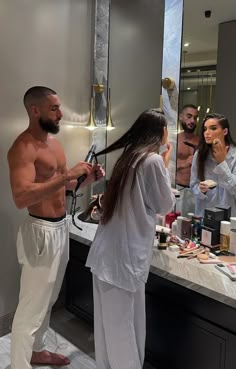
[[162, 245]]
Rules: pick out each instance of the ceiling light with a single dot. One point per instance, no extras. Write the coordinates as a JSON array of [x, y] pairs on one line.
[[186, 44]]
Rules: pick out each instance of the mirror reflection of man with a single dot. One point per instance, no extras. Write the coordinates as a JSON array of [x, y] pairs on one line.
[[187, 143]]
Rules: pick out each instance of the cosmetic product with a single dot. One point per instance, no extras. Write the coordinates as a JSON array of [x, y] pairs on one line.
[[159, 220], [232, 223], [174, 228], [213, 217], [162, 245], [186, 228], [196, 227], [160, 228], [212, 256], [224, 235], [209, 261], [231, 269], [210, 183], [232, 241], [210, 236], [190, 215], [224, 269], [169, 219], [173, 248], [179, 226]]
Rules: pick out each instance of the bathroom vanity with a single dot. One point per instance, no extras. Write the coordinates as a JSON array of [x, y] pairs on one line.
[[190, 307]]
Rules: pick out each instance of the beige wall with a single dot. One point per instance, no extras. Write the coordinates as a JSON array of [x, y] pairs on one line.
[[48, 43]]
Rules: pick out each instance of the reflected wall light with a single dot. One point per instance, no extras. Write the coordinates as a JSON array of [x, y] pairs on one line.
[[110, 124], [91, 125], [209, 107], [199, 89]]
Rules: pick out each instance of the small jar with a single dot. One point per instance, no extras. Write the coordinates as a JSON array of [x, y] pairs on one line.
[[224, 235]]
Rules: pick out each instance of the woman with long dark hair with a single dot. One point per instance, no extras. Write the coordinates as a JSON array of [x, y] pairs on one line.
[[120, 255], [214, 160]]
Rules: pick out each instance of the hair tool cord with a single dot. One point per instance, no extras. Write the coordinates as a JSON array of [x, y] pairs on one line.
[[89, 159]]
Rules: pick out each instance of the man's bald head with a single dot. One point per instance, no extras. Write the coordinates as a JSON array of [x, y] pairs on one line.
[[35, 94]]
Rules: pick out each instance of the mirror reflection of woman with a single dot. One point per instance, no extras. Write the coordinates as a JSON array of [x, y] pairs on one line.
[[121, 252], [214, 160]]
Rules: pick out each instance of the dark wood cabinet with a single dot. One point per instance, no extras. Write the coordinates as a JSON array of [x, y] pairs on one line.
[[79, 285], [185, 330]]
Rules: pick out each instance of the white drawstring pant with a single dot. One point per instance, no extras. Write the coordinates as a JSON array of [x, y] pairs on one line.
[[43, 252], [119, 326]]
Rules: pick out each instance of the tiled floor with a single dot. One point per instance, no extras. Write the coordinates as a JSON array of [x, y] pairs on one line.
[[68, 335], [56, 343]]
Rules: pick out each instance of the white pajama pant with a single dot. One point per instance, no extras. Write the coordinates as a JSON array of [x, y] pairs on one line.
[[43, 252], [119, 326]]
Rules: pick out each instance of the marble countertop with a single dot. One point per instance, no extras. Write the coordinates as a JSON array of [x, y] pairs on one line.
[[202, 278]]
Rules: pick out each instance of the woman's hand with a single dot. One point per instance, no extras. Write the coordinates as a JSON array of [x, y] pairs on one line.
[[203, 187], [219, 151], [166, 154]]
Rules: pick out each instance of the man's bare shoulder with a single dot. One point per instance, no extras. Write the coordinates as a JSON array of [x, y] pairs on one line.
[[24, 143], [53, 142]]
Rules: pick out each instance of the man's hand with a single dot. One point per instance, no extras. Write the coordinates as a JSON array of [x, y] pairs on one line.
[[189, 160], [96, 174], [79, 169]]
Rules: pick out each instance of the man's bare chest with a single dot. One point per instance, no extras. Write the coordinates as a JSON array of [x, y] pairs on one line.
[[48, 163]]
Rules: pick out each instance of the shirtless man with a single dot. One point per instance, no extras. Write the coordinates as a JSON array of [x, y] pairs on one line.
[[188, 120], [39, 178]]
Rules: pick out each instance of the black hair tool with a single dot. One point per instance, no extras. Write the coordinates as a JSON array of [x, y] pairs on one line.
[[194, 147], [88, 159]]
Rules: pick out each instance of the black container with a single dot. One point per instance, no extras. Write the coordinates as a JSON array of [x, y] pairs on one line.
[[227, 212], [213, 217]]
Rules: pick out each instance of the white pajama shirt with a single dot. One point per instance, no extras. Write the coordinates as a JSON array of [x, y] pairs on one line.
[[120, 258]]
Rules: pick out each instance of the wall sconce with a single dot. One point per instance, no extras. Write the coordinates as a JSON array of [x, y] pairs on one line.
[[91, 125], [98, 88], [168, 83], [110, 124]]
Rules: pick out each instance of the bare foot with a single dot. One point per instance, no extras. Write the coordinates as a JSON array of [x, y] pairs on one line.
[[49, 358]]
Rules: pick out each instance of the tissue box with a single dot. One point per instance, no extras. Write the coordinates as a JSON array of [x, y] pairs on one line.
[[210, 236]]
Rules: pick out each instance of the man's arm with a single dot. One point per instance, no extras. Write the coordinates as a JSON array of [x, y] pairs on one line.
[[96, 174], [25, 190]]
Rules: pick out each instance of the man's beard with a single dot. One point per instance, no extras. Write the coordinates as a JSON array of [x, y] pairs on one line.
[[188, 129], [49, 126]]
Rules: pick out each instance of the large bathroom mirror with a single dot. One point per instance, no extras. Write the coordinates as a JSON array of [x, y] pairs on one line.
[[144, 47], [200, 52], [135, 62], [201, 22]]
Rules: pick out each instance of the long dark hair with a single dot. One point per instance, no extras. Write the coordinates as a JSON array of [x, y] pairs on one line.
[[144, 137], [204, 148]]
